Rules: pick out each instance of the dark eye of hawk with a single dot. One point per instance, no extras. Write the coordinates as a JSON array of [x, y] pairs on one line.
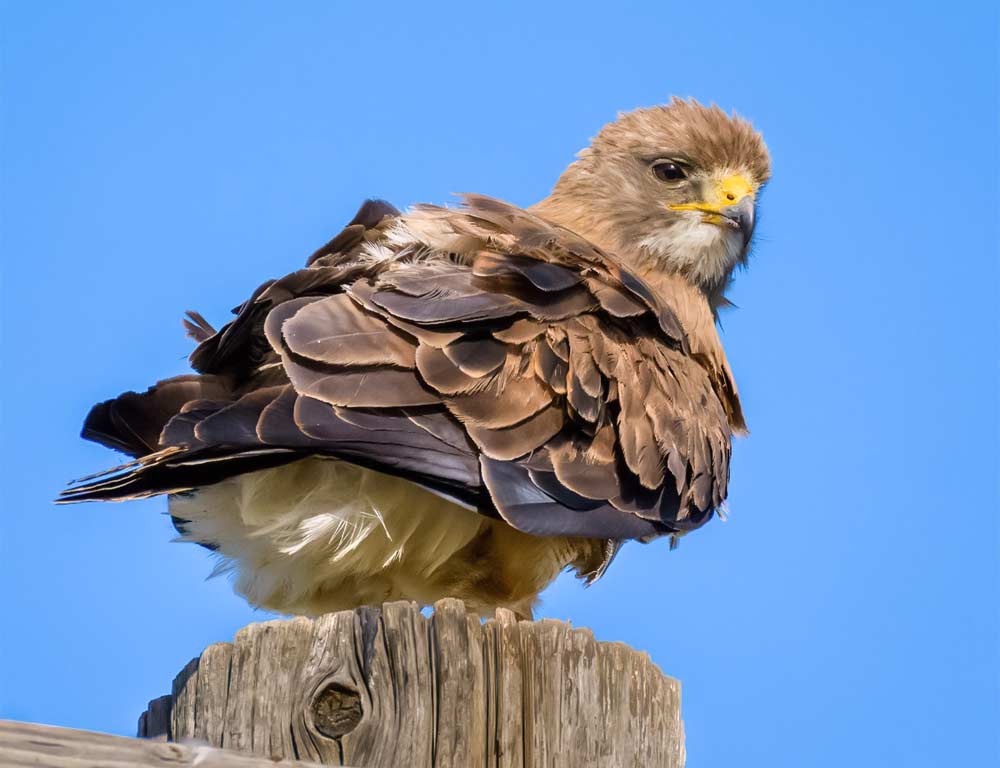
[[668, 170]]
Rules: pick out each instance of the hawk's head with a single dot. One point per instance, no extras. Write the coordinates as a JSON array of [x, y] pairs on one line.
[[675, 186]]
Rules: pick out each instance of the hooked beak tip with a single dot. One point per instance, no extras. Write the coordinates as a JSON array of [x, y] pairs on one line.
[[742, 215]]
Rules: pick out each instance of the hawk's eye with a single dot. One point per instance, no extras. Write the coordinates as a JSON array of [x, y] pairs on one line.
[[667, 170]]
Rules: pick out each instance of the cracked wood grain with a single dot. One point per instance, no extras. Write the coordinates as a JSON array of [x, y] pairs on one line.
[[389, 687]]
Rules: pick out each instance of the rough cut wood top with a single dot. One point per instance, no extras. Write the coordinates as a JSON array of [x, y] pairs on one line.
[[390, 687]]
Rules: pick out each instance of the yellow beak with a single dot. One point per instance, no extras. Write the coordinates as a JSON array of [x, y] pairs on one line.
[[732, 205], [728, 191]]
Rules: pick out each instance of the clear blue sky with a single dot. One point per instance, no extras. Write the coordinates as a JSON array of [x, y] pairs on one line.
[[163, 156]]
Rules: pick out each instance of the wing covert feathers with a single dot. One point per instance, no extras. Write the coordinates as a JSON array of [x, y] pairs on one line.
[[481, 352]]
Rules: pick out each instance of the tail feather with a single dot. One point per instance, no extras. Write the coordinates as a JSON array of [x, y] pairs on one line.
[[157, 428], [132, 422], [172, 470]]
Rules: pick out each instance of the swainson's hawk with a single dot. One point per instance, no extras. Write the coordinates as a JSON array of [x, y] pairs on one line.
[[465, 401]]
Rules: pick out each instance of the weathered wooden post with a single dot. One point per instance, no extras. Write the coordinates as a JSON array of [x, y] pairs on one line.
[[391, 688]]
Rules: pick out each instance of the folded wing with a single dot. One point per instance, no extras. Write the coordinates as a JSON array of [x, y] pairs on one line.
[[505, 364]]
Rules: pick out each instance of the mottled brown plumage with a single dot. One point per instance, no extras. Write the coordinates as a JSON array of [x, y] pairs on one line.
[[556, 370]]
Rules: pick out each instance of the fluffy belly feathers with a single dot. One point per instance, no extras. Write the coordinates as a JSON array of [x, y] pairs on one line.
[[321, 535]]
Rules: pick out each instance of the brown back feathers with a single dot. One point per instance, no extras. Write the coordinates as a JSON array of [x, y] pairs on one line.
[[483, 353]]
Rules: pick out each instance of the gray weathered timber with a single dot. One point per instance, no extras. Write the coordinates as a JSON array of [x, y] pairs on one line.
[[45, 746], [389, 687]]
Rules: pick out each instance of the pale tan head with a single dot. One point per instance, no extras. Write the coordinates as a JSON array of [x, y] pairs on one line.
[[674, 187]]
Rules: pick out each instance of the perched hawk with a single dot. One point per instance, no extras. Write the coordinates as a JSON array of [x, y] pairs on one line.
[[466, 401]]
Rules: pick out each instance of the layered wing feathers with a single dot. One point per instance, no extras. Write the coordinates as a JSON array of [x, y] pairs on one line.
[[503, 362]]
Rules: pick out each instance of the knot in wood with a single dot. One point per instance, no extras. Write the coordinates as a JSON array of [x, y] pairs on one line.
[[336, 710]]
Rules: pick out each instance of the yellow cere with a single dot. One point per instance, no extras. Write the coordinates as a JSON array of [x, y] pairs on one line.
[[728, 191]]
